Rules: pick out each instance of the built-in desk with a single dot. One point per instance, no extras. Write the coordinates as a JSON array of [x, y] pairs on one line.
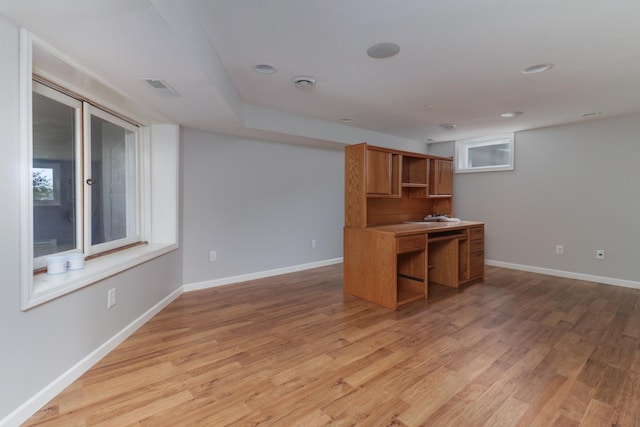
[[393, 264]]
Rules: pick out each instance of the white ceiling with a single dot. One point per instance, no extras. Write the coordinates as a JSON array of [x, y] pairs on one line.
[[460, 62]]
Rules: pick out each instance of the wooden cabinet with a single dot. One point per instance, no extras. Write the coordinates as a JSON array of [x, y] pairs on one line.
[[384, 186], [389, 256], [394, 265], [385, 269]]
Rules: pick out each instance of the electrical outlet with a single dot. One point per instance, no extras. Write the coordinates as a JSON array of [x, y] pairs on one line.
[[600, 254], [213, 256], [559, 250], [313, 244], [111, 298]]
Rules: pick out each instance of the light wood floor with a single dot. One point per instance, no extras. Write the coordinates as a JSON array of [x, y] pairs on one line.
[[519, 349]]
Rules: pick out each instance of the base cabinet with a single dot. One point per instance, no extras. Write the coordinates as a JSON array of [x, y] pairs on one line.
[[392, 270]]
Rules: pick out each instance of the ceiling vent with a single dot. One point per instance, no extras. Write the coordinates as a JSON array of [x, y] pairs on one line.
[[161, 87], [304, 81]]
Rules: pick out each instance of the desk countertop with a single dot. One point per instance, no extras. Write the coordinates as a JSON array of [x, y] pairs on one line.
[[422, 227]]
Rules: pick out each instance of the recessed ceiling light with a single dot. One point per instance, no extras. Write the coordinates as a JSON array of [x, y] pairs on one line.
[[264, 69], [511, 114], [537, 68], [429, 107], [346, 120], [383, 50], [304, 81], [447, 126], [591, 114], [429, 140]]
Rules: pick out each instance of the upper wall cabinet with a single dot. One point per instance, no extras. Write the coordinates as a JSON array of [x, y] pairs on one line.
[[385, 186]]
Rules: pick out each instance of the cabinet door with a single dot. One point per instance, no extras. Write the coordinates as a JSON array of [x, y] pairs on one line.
[[383, 174], [441, 177], [378, 172]]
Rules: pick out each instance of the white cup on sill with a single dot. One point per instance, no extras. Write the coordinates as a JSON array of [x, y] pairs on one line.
[[75, 262], [57, 265]]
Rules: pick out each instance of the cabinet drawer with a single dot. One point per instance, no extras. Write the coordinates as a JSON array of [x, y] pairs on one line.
[[477, 245], [411, 243], [476, 233], [476, 264]]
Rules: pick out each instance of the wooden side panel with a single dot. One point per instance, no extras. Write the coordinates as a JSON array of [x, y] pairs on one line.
[[443, 257], [370, 266], [355, 198]]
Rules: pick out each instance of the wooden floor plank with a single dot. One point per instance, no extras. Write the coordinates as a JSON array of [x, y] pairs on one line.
[[293, 350]]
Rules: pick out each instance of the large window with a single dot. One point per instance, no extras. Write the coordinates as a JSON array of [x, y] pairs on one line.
[[91, 181], [87, 209], [491, 153]]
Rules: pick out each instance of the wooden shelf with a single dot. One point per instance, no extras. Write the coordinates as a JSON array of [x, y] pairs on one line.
[[409, 289], [407, 296], [439, 196], [414, 185]]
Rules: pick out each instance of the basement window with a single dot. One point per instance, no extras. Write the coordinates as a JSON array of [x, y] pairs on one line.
[[485, 154], [95, 180]]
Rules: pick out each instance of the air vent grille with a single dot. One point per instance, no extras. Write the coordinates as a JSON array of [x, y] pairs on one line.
[[161, 87]]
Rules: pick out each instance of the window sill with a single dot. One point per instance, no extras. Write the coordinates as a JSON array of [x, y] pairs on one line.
[[47, 287]]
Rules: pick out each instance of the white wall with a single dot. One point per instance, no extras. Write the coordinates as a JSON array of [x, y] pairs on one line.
[[576, 185], [258, 204], [41, 344]]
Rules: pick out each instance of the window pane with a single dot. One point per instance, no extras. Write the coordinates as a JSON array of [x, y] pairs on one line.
[[113, 175], [489, 155], [54, 180]]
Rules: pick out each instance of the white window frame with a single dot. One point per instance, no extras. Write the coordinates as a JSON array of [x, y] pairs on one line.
[[133, 187], [158, 184], [462, 153], [53, 94]]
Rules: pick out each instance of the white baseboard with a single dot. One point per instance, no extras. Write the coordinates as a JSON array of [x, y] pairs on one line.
[[567, 274], [258, 275], [31, 406]]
